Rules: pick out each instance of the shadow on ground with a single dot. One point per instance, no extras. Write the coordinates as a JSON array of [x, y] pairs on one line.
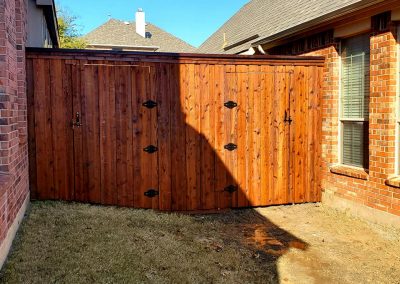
[[74, 243]]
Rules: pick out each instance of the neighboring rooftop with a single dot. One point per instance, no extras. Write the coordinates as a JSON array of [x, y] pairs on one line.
[[116, 34], [260, 20]]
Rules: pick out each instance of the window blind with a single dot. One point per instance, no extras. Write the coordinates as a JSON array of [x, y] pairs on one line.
[[355, 87], [355, 142], [355, 100]]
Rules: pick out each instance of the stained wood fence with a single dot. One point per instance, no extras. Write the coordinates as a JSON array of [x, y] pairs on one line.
[[174, 132]]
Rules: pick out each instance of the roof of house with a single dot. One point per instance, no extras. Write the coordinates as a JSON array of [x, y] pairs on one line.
[[118, 33], [259, 20]]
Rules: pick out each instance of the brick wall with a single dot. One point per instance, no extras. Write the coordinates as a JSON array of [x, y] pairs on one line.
[[378, 187], [13, 117]]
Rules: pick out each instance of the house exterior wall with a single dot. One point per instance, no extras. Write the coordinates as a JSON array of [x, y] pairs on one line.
[[378, 187], [14, 188], [37, 32]]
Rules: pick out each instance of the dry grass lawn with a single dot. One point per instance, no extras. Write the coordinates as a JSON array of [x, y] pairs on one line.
[[74, 243]]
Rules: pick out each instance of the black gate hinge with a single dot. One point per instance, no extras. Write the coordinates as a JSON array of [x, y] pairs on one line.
[[230, 104], [150, 149], [230, 147], [150, 104], [151, 193], [231, 188]]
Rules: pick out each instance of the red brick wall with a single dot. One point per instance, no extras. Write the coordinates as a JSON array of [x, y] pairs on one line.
[[368, 188], [13, 118]]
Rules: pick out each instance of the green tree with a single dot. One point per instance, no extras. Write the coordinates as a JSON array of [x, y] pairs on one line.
[[68, 31]]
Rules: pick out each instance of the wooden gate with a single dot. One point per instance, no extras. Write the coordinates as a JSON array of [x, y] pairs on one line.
[[174, 132]]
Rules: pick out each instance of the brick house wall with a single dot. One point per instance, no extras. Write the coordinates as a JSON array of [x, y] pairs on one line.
[[378, 187], [14, 183]]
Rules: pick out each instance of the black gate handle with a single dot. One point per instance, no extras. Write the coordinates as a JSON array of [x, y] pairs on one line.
[[77, 121]]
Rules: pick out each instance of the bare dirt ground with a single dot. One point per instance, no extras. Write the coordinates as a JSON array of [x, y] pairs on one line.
[[340, 249], [73, 243]]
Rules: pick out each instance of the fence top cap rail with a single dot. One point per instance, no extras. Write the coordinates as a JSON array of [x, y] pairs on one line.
[[31, 52]]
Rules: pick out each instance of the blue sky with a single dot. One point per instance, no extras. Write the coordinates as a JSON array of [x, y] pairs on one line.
[[193, 21]]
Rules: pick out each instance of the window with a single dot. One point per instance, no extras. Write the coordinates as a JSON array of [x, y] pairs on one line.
[[354, 108]]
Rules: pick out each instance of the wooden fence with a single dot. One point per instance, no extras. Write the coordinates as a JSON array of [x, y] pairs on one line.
[[174, 132]]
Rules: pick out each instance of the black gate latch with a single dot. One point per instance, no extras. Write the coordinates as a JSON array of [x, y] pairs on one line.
[[230, 147], [151, 193], [287, 119], [150, 149], [231, 188], [150, 104], [230, 104]]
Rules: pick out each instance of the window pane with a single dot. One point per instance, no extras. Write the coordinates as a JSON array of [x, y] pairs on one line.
[[355, 144], [355, 77]]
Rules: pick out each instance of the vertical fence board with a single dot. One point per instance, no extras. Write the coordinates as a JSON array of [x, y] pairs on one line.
[[77, 83], [178, 137], [124, 138], [61, 112], [280, 139], [145, 119], [108, 143], [91, 134], [242, 151], [207, 151], [44, 147], [192, 106], [153, 159], [137, 147], [266, 89], [256, 153], [221, 127], [231, 135], [31, 128], [103, 121], [68, 193], [164, 137], [315, 144], [250, 114]]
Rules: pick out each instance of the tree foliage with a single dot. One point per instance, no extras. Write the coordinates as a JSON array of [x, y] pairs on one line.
[[68, 31]]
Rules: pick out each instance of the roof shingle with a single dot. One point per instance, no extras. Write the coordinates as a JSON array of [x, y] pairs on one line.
[[118, 33], [267, 18]]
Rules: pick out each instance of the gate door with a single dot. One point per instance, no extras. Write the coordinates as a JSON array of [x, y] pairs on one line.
[[115, 143], [258, 170]]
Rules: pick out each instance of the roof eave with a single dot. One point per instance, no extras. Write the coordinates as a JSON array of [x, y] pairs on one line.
[[317, 21]]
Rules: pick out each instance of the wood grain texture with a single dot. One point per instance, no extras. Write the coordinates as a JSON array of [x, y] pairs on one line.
[[193, 139], [164, 136], [104, 162]]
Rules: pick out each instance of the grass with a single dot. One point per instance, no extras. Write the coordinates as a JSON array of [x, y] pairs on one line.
[[74, 243]]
